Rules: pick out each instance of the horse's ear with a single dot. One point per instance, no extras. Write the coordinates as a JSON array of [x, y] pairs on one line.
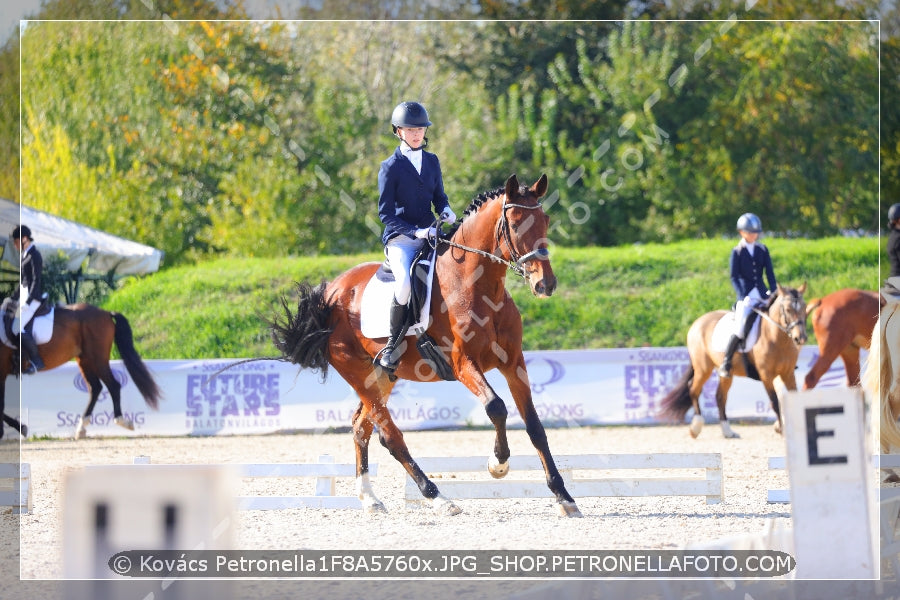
[[512, 187], [802, 288], [540, 186]]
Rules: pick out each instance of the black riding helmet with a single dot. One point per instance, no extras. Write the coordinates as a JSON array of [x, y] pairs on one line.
[[409, 114], [893, 213], [21, 231]]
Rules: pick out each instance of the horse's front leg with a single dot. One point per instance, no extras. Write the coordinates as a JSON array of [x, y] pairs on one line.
[[472, 377], [362, 433], [517, 378], [721, 401], [790, 383]]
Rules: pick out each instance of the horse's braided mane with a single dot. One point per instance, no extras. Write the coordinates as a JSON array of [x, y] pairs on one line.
[[473, 207]]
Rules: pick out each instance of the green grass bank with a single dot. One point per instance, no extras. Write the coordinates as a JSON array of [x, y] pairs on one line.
[[630, 296]]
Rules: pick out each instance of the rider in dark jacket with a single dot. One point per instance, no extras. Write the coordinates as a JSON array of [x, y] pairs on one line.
[[409, 184], [29, 294], [750, 260]]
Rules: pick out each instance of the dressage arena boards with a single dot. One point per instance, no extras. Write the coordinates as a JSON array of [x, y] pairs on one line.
[[515, 523]]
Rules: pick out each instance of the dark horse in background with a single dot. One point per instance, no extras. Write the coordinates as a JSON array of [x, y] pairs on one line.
[[475, 323], [86, 333]]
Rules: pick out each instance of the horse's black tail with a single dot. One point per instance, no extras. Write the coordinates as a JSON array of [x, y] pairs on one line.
[[133, 363], [302, 337], [677, 402]]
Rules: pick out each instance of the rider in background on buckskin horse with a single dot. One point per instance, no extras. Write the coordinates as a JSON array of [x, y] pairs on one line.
[[409, 184], [31, 265], [749, 260]]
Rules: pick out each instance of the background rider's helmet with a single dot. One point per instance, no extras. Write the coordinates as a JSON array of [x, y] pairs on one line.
[[893, 213], [409, 114], [750, 223], [21, 231]]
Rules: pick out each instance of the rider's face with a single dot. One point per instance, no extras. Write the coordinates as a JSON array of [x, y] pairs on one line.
[[749, 236], [412, 135]]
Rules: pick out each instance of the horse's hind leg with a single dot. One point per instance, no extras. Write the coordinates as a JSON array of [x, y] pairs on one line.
[[362, 433], [115, 392], [392, 438], [850, 356]]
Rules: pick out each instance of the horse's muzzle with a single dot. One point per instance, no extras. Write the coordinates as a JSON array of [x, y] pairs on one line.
[[545, 286]]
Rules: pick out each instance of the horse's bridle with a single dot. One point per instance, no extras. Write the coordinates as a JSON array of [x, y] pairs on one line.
[[786, 329], [516, 262]]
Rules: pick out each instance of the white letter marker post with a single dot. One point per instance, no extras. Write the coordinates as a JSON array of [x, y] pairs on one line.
[[832, 492]]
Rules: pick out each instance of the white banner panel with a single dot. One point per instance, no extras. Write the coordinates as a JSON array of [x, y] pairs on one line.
[[570, 387]]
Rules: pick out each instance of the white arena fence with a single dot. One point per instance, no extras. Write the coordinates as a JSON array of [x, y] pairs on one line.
[[15, 487], [325, 471], [569, 387], [708, 484]]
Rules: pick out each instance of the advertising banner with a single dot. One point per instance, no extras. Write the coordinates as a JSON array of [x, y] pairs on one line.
[[569, 388]]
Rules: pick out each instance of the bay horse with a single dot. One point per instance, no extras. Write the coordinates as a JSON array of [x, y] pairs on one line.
[[473, 319], [782, 332], [843, 322], [86, 333], [881, 374]]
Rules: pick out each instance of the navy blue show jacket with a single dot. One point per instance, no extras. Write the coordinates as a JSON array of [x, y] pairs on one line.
[[405, 197], [747, 271]]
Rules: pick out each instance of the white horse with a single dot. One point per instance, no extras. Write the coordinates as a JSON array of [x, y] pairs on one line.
[[881, 373]]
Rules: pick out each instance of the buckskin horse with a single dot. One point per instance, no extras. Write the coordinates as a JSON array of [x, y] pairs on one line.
[[782, 332], [474, 320], [87, 333], [843, 323]]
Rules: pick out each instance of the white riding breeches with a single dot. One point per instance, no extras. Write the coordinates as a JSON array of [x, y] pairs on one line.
[[25, 315], [743, 310], [401, 251]]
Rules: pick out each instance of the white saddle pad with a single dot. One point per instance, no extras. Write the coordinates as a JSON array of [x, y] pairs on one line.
[[41, 329], [376, 306], [726, 326]]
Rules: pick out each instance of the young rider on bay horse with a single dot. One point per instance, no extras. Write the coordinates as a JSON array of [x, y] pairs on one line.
[[30, 267], [409, 183], [749, 259]]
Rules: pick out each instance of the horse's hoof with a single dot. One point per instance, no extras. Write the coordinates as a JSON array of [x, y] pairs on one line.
[[123, 422], [444, 506], [777, 427], [497, 469], [374, 508], [696, 426], [80, 433], [569, 509], [24, 430]]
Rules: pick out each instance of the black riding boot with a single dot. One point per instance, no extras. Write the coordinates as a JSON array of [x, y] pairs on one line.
[[31, 349], [725, 368], [390, 355]]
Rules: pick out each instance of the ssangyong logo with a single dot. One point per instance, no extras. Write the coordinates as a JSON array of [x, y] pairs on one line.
[[542, 372], [118, 375]]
